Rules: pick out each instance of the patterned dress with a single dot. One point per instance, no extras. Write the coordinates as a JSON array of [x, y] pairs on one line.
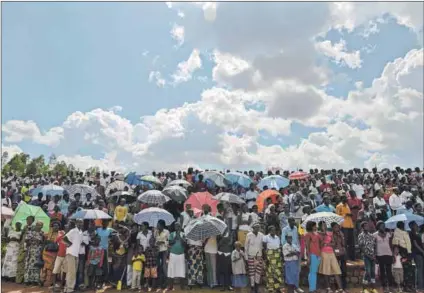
[[195, 265], [33, 254], [10, 264], [274, 270]]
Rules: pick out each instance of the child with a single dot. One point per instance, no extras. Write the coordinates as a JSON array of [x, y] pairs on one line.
[[137, 267], [291, 264], [397, 268], [239, 267], [95, 263]]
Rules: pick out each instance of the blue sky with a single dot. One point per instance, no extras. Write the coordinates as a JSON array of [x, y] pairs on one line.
[[60, 58]]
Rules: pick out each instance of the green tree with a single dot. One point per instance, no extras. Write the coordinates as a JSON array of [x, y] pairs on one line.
[[61, 168], [36, 166], [17, 164]]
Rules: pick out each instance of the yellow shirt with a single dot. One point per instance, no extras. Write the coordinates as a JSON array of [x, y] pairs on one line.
[[138, 262], [343, 210], [121, 213]]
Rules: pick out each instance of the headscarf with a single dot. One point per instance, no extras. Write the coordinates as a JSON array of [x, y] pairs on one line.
[[268, 209]]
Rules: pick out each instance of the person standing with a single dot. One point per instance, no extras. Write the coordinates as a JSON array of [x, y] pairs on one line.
[[291, 262], [10, 264], [176, 264], [34, 246], [343, 210], [274, 268], [162, 237], [238, 265], [417, 254], [384, 255], [137, 267], [223, 258], [253, 250], [340, 251], [366, 243], [313, 245], [74, 240]]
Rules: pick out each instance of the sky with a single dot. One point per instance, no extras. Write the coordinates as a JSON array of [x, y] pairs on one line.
[[162, 86]]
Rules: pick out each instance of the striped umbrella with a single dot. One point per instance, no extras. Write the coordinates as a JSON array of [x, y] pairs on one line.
[[153, 215], [82, 189], [229, 197], [182, 182], [274, 181], [204, 227], [117, 186], [327, 217], [90, 215], [153, 197], [299, 175], [176, 192]]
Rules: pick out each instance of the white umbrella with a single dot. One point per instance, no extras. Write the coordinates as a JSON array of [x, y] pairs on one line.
[[153, 215], [118, 186], [204, 227], [182, 182], [327, 217], [229, 197], [90, 215], [176, 193], [82, 189], [153, 197], [217, 178]]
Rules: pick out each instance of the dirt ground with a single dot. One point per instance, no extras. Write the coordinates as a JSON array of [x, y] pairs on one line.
[[15, 288]]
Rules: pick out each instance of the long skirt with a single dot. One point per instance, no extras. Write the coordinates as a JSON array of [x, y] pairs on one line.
[[32, 272], [292, 269], [211, 269], [195, 265], [10, 265], [274, 276], [256, 268], [150, 268], [119, 264], [20, 271], [46, 275], [175, 269]]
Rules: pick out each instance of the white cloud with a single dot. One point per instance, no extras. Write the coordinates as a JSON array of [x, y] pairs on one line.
[[177, 34], [11, 151], [339, 54], [156, 77], [17, 131], [186, 69], [115, 109]]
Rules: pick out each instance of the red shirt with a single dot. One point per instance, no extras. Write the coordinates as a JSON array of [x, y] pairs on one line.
[[314, 240], [62, 246], [354, 202], [325, 187]]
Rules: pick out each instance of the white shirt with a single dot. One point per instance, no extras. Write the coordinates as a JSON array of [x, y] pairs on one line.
[[379, 202], [398, 263], [186, 219], [86, 240], [271, 242], [255, 219], [249, 196], [75, 237], [359, 190], [144, 239], [377, 186], [194, 243], [51, 205], [406, 195], [395, 202], [211, 246], [253, 245]]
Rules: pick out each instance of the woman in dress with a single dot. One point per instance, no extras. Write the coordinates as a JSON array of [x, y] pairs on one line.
[[329, 265], [223, 258], [34, 246], [194, 263], [20, 272], [12, 249], [49, 255], [274, 267], [119, 255]]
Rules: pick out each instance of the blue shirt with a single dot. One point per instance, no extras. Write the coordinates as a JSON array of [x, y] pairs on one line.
[[63, 205], [324, 208], [104, 237], [289, 231]]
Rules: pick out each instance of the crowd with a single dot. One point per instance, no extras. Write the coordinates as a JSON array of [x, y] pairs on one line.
[[267, 234]]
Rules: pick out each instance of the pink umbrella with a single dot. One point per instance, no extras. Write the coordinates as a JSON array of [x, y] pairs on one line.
[[197, 200], [299, 175], [6, 213]]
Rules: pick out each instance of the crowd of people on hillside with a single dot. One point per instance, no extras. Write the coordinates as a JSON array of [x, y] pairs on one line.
[[264, 243]]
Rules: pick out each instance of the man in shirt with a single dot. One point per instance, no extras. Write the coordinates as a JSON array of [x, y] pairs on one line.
[[358, 188], [253, 248], [251, 196], [395, 201], [343, 210], [74, 240], [162, 238], [325, 206], [290, 229], [121, 211]]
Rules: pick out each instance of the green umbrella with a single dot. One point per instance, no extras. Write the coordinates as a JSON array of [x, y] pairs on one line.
[[25, 210], [151, 179]]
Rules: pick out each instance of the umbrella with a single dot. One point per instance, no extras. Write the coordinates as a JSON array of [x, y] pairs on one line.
[[217, 178], [155, 197], [151, 179], [50, 189], [176, 192], [6, 213], [238, 179], [274, 181], [229, 197], [204, 227], [197, 200], [117, 186], [90, 215], [128, 196], [407, 218], [25, 210], [298, 175], [153, 215], [133, 179], [327, 217], [182, 182], [82, 189], [269, 193]]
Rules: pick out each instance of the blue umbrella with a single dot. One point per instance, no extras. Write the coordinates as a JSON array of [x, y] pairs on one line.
[[134, 179], [274, 181], [237, 178], [50, 189], [407, 218]]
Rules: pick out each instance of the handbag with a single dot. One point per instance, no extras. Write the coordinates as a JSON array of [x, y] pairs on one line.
[[52, 247]]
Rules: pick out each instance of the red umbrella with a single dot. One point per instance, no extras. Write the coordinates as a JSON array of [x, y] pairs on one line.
[[197, 200], [299, 175]]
